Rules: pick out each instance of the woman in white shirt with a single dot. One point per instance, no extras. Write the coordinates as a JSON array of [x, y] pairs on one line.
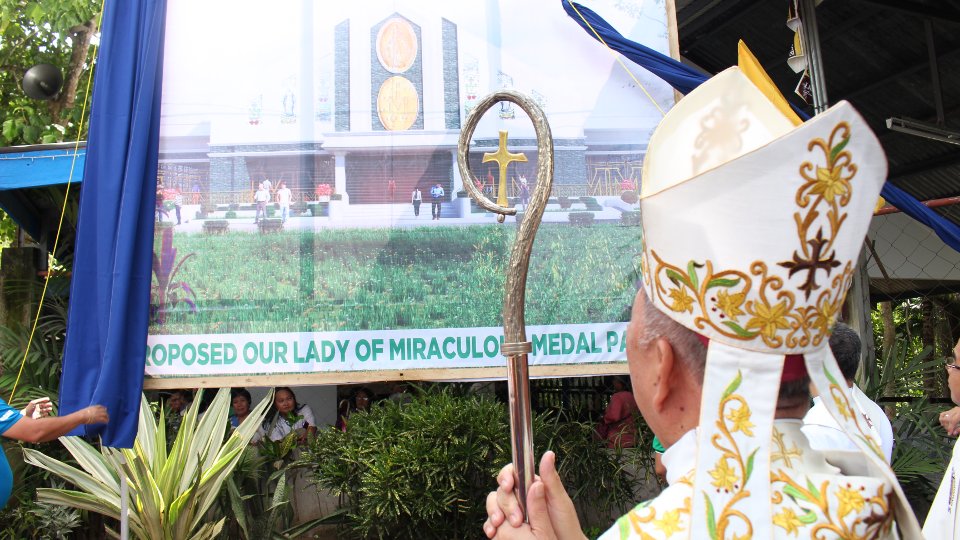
[[287, 415]]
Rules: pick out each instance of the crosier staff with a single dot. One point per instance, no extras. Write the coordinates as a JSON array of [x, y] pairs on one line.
[[515, 347]]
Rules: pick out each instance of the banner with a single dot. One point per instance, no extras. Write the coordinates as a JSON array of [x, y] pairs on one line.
[[311, 217]]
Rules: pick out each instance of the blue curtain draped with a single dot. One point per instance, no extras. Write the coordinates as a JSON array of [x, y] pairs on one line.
[[110, 291], [684, 79]]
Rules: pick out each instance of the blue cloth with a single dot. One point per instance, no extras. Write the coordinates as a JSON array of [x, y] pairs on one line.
[[684, 79], [8, 417], [110, 290]]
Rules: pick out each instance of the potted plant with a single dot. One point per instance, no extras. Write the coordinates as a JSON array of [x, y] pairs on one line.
[[323, 192]]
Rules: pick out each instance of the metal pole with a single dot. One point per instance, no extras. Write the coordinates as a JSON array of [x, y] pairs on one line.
[[811, 48], [515, 346], [934, 72], [124, 518]]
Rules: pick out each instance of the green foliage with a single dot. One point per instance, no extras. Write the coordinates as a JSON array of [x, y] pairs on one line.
[[921, 451], [438, 277], [172, 490], [43, 31], [423, 469], [630, 218], [418, 470], [581, 219]]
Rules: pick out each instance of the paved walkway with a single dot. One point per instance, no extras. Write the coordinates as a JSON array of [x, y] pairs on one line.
[[388, 216]]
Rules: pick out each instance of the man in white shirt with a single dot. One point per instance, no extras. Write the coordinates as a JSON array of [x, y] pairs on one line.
[[820, 428], [437, 193], [283, 199], [261, 197]]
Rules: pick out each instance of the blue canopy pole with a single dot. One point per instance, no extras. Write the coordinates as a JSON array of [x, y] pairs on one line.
[[110, 290]]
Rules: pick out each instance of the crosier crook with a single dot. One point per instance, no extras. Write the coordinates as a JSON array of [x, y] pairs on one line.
[[515, 346]]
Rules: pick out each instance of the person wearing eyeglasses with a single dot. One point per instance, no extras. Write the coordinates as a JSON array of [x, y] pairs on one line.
[[943, 521]]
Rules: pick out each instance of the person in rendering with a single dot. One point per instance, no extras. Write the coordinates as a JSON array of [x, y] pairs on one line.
[[286, 416], [943, 520], [524, 192], [619, 423], [436, 196], [177, 203], [240, 401], [392, 189], [283, 199], [261, 197], [821, 429], [731, 324], [33, 425], [416, 198]]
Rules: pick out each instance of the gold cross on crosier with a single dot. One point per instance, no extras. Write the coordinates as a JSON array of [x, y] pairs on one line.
[[503, 157]]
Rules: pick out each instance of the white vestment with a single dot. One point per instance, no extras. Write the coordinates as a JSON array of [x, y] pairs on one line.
[[802, 485], [943, 520], [824, 433]]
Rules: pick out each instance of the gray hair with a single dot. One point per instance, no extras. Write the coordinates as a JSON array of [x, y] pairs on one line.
[[692, 352], [684, 341]]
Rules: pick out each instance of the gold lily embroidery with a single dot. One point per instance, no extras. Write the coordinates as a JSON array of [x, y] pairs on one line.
[[732, 471], [730, 304], [669, 523], [788, 521], [830, 185], [681, 300], [768, 319], [724, 477], [850, 501], [741, 420], [719, 298]]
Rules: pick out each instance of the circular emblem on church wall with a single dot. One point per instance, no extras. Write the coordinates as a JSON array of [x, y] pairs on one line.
[[396, 45], [397, 104]]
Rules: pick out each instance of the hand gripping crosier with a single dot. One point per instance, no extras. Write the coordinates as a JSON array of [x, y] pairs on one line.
[[515, 346]]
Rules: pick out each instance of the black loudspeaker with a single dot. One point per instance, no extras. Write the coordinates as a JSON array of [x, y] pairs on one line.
[[42, 81]]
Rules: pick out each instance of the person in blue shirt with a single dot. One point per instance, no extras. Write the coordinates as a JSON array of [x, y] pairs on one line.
[[30, 425]]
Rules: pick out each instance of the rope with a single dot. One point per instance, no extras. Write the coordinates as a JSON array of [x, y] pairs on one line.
[[63, 210], [618, 58]]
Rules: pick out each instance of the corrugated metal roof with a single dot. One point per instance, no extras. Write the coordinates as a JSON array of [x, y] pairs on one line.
[[875, 55]]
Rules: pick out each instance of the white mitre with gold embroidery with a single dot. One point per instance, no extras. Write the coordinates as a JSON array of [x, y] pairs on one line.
[[751, 229]]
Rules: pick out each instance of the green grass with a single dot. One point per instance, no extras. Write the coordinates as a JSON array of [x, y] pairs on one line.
[[374, 279]]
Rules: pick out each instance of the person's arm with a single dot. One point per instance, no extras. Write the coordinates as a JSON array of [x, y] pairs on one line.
[[310, 420], [36, 430]]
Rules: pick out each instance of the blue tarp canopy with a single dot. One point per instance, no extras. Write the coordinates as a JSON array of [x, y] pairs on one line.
[[36, 166], [23, 168]]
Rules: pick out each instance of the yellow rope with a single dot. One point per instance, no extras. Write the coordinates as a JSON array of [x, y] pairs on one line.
[[619, 59], [63, 211]]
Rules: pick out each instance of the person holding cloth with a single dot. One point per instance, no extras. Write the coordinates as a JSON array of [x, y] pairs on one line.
[[33, 425]]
